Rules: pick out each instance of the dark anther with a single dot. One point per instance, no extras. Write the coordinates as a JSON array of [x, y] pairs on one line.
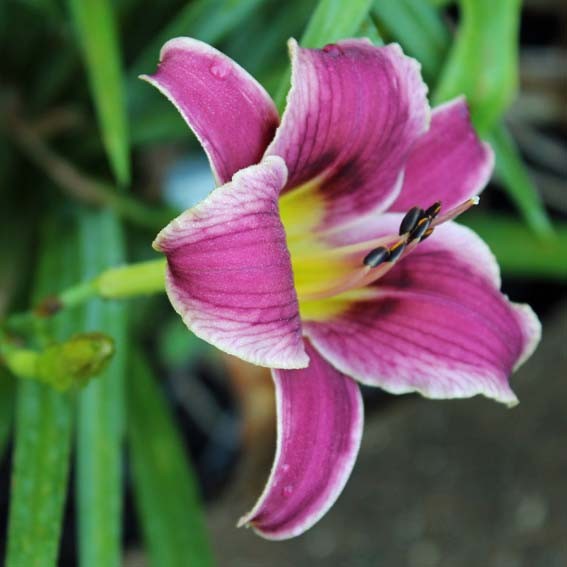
[[426, 234], [396, 251], [376, 257], [410, 219], [420, 228], [433, 211]]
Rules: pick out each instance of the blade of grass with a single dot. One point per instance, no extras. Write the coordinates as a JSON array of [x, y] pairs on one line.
[[424, 34], [43, 427], [331, 21], [97, 35], [481, 67], [164, 483], [100, 407], [511, 170], [518, 253]]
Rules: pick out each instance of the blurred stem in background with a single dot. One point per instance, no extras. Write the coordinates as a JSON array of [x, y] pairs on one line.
[[77, 184]]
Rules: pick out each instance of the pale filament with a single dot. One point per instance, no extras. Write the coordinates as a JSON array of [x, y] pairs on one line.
[[365, 275]]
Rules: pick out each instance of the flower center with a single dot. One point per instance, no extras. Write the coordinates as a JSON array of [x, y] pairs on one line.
[[323, 271]]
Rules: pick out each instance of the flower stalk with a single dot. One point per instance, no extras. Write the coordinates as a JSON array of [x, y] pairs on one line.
[[123, 282]]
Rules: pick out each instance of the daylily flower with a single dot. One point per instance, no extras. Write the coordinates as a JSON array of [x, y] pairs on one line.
[[312, 256]]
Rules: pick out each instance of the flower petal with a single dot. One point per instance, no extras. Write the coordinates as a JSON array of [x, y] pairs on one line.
[[320, 418], [449, 163], [229, 272], [353, 113], [231, 114], [438, 325]]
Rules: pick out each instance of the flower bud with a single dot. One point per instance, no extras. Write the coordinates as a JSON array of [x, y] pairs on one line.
[[75, 361]]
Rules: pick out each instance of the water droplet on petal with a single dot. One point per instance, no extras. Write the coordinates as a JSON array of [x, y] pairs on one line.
[[333, 50], [288, 490], [285, 467], [220, 70]]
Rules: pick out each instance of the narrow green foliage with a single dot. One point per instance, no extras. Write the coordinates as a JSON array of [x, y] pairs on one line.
[[369, 29], [43, 431], [518, 252], [425, 37], [483, 63], [101, 407], [331, 21], [511, 170], [165, 486], [97, 34]]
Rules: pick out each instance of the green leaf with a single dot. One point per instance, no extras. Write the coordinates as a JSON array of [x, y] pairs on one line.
[[43, 426], [511, 170], [331, 21], [368, 29], [101, 406], [165, 487], [483, 63], [424, 34], [97, 34], [518, 253]]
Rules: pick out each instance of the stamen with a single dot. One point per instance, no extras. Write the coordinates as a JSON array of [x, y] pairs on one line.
[[420, 229], [411, 219], [376, 257], [426, 234], [416, 226], [433, 211], [397, 250]]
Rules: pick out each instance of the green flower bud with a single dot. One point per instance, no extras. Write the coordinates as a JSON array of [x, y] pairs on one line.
[[75, 361]]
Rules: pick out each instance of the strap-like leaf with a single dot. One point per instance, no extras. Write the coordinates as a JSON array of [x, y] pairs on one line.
[[511, 170], [518, 252], [97, 35], [483, 62], [165, 487], [100, 410], [43, 427]]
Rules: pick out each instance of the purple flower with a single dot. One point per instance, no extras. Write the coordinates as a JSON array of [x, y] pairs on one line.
[[313, 257]]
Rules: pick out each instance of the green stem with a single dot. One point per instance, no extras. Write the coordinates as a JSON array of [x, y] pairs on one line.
[[143, 278]]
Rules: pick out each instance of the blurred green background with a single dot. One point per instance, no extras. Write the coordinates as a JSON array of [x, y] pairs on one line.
[[154, 460]]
